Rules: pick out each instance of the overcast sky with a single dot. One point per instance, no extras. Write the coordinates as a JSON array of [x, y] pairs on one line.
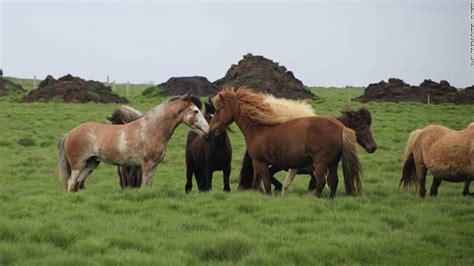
[[324, 43]]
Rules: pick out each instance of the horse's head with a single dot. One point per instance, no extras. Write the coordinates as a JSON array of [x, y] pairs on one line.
[[209, 110], [224, 105], [192, 115], [360, 121]]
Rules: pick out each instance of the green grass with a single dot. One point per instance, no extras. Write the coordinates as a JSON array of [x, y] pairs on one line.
[[42, 224]]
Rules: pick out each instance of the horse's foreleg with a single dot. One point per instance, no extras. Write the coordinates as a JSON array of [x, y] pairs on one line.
[[434, 186], [149, 169], [288, 180], [466, 192], [261, 174], [189, 178], [226, 173], [320, 173], [208, 177], [312, 182]]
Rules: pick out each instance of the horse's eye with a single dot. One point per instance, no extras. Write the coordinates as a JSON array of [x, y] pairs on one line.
[[196, 111]]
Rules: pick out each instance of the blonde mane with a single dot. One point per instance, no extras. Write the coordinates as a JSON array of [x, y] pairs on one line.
[[265, 108]]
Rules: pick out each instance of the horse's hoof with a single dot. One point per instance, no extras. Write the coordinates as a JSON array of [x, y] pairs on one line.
[[468, 194]]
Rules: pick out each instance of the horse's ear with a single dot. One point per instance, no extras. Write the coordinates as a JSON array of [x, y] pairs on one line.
[[221, 97]]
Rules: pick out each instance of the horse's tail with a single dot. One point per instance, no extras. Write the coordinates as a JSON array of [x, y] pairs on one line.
[[64, 168], [246, 173], [408, 163], [351, 167], [123, 115]]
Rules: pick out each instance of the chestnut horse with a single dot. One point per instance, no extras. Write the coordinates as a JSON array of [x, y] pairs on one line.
[[358, 120], [204, 156], [140, 143], [129, 176], [274, 137], [448, 154]]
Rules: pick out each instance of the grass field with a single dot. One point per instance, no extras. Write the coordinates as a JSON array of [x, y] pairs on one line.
[[42, 224]]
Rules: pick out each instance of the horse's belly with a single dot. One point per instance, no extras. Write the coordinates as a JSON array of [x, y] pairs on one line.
[[115, 159]]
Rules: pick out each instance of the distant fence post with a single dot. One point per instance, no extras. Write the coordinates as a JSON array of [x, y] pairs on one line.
[[34, 81], [429, 99], [128, 88], [107, 79]]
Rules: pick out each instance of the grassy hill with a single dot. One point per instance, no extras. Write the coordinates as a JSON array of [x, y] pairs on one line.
[[42, 224]]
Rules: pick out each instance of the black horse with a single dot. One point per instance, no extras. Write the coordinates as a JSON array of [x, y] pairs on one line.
[[360, 121], [204, 156], [129, 176]]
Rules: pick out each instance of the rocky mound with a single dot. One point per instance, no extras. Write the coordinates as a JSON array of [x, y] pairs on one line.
[[465, 96], [72, 89], [396, 90], [8, 87], [264, 75], [196, 85]]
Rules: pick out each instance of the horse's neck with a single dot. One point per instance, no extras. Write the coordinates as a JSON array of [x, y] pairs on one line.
[[342, 119], [248, 129], [161, 122]]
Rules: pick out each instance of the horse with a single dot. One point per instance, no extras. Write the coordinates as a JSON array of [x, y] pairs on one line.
[[129, 176], [204, 156], [139, 143], [358, 120], [448, 154], [286, 133]]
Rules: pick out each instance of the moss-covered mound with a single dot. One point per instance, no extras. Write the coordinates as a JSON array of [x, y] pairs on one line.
[[264, 75], [396, 90], [8, 87], [72, 89]]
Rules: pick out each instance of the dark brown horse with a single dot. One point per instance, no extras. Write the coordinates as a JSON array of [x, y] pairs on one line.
[[276, 137], [129, 176], [204, 156], [360, 121]]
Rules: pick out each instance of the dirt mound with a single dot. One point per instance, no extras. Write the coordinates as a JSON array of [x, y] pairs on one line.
[[396, 90], [196, 85], [72, 89], [8, 87], [264, 75], [465, 96]]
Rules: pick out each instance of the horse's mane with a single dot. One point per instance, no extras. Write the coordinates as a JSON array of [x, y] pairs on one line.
[[265, 109], [124, 114]]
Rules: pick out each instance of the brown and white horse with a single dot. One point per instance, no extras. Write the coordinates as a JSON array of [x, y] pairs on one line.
[[274, 137], [140, 143], [448, 154]]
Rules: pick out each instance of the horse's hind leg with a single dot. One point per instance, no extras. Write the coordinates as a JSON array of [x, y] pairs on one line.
[[261, 173], [435, 185], [320, 172], [273, 170], [91, 165], [72, 183], [421, 174], [333, 179]]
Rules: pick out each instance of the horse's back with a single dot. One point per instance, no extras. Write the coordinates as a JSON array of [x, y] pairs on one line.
[[447, 152]]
